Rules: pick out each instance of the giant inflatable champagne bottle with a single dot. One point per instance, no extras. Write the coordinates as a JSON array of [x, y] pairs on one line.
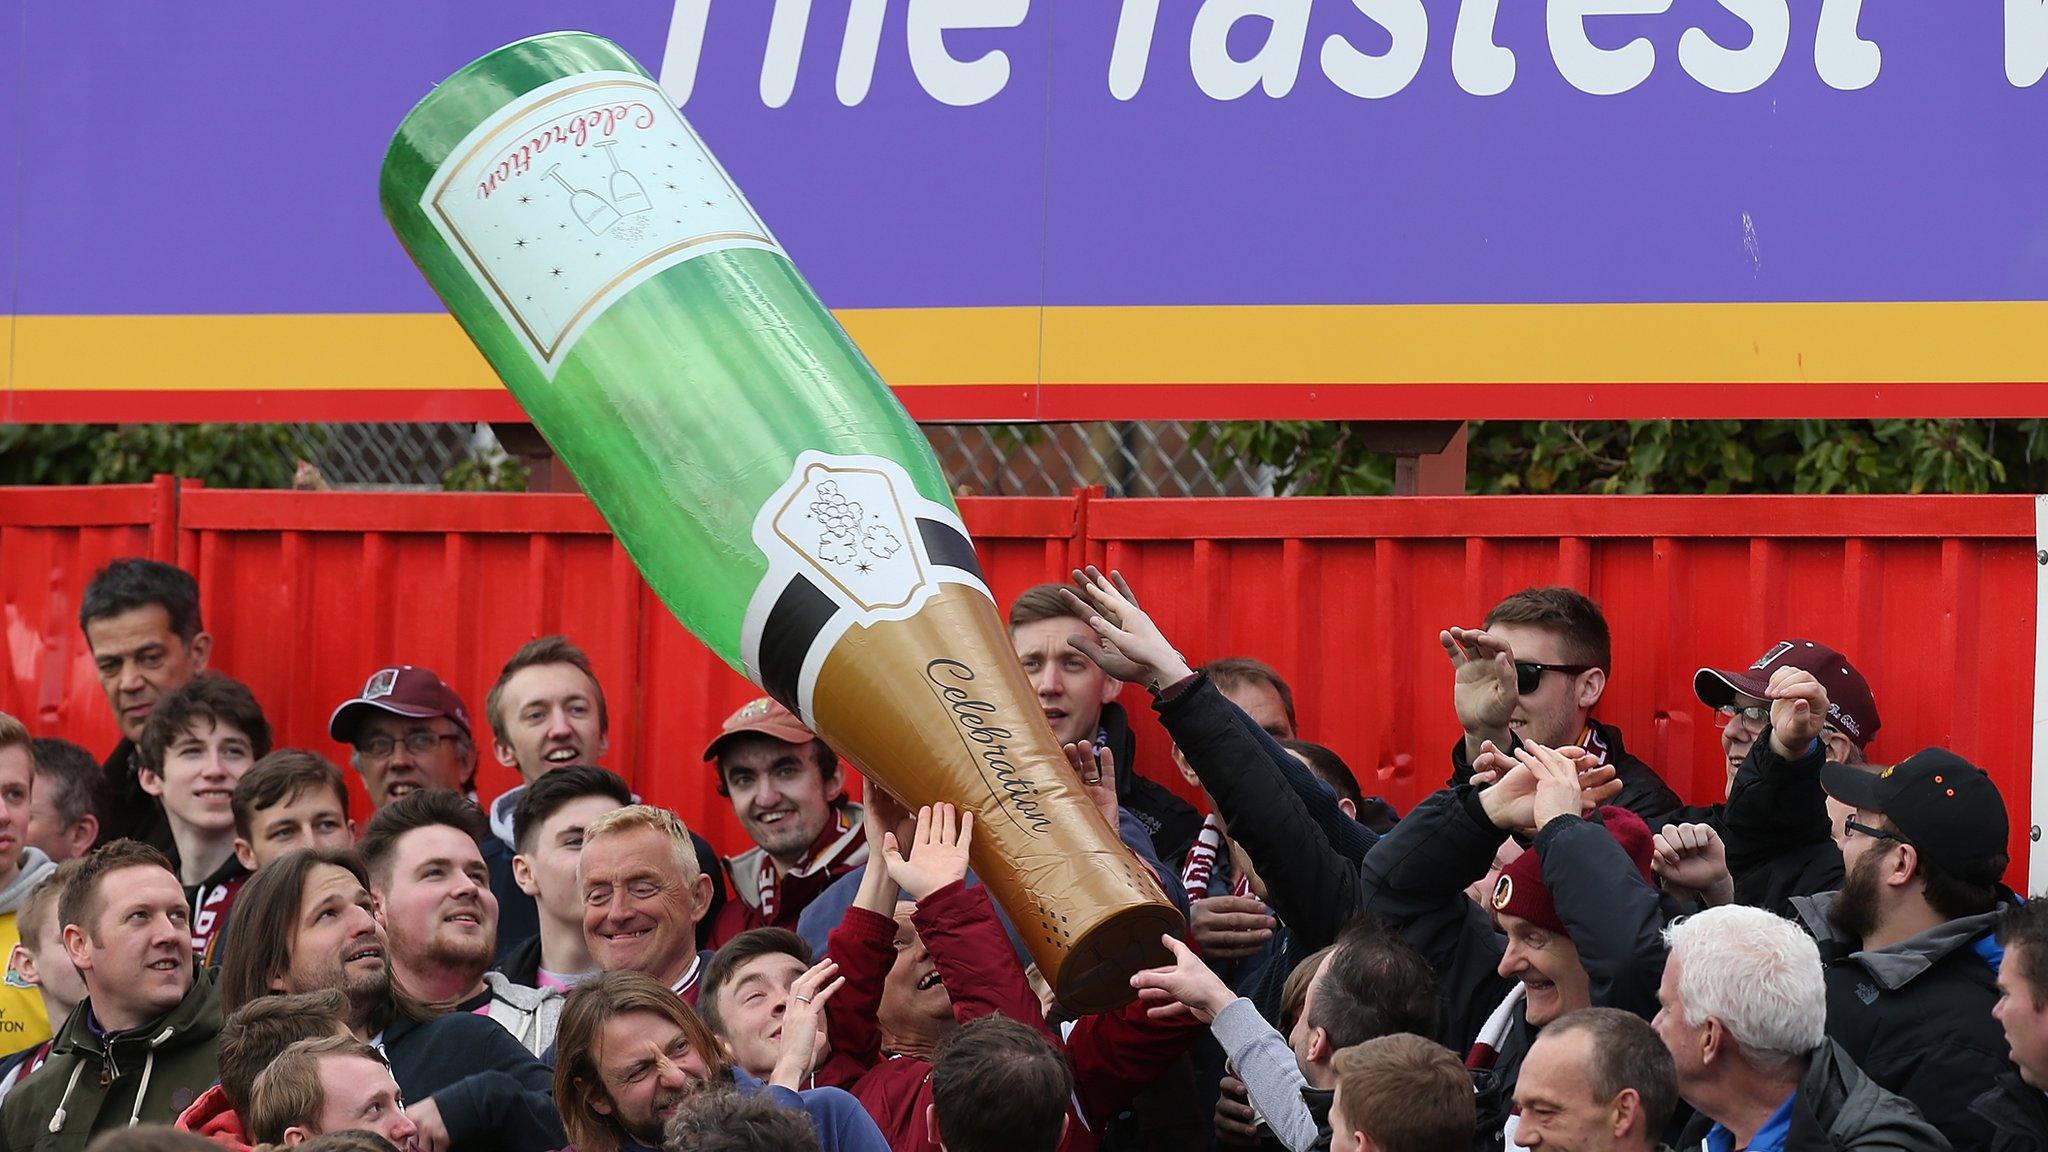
[[769, 486]]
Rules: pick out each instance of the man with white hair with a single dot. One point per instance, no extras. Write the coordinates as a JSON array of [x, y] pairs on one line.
[[1743, 1009]]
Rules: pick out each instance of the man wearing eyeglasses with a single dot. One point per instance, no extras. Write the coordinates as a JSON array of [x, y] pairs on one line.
[[1909, 941], [1799, 705], [1742, 701], [1534, 672], [409, 731]]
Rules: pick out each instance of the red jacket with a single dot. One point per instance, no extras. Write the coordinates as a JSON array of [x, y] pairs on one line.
[[1113, 1056], [210, 1116]]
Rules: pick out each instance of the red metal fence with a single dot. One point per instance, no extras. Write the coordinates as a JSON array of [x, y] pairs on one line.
[[306, 593]]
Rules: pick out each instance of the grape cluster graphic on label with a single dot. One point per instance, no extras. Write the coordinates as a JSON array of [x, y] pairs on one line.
[[849, 526]]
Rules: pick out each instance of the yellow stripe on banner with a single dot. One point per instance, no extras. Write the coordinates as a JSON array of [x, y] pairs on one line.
[[1967, 342], [1550, 343]]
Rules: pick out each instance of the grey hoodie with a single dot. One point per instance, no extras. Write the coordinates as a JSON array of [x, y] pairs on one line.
[[529, 1014], [35, 868]]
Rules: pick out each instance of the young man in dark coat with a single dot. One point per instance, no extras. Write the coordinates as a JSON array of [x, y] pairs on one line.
[[1535, 671]]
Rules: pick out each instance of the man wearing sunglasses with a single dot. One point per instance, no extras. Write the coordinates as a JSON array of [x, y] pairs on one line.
[[1534, 672]]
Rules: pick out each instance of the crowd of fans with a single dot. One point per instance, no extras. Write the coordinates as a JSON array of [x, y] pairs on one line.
[[208, 948]]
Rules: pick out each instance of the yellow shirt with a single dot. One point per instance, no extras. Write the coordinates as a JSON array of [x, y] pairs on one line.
[[23, 1023]]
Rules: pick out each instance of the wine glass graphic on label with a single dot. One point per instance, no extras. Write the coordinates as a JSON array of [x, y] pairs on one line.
[[627, 195], [590, 208]]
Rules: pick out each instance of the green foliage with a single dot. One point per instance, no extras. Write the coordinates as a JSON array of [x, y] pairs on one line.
[[1308, 457], [223, 455], [486, 472], [1670, 456]]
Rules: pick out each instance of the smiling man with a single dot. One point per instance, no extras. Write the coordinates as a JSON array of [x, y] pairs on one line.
[[198, 743], [547, 712], [747, 997], [785, 786], [433, 896], [642, 897], [1575, 920], [144, 1043], [1535, 672], [549, 825], [141, 623]]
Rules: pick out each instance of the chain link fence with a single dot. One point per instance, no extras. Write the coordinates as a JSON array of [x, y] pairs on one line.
[[1129, 458]]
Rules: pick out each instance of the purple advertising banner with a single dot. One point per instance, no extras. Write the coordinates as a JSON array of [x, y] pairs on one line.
[[1039, 209]]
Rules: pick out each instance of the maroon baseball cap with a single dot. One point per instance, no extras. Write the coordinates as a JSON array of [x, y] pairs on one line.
[[1851, 708], [415, 693], [765, 716]]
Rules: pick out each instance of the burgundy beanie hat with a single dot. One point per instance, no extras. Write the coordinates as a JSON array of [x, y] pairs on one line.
[[1520, 891]]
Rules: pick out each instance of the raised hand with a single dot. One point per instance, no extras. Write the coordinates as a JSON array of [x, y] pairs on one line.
[[938, 851], [1511, 801], [1483, 691], [1693, 862], [1128, 645], [1097, 774], [1489, 764], [1558, 791], [802, 1021], [1799, 706], [1186, 985]]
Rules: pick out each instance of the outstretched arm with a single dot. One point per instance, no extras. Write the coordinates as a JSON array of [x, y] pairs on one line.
[[958, 924]]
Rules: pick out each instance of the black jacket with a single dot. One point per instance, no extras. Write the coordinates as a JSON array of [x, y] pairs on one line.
[[521, 963], [1916, 1017], [1643, 792], [1171, 820], [1415, 881], [494, 1096], [1312, 885], [1839, 1109], [131, 813], [1776, 829], [2016, 1113], [1416, 884]]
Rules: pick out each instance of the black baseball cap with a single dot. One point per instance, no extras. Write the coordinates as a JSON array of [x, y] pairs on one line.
[[1942, 804]]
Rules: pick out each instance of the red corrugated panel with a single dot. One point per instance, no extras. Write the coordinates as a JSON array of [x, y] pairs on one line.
[[307, 593]]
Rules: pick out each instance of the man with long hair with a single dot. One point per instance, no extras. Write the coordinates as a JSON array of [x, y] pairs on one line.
[[304, 923]]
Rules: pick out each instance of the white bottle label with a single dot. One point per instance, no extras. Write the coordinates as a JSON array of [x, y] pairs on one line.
[[565, 199], [852, 540]]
